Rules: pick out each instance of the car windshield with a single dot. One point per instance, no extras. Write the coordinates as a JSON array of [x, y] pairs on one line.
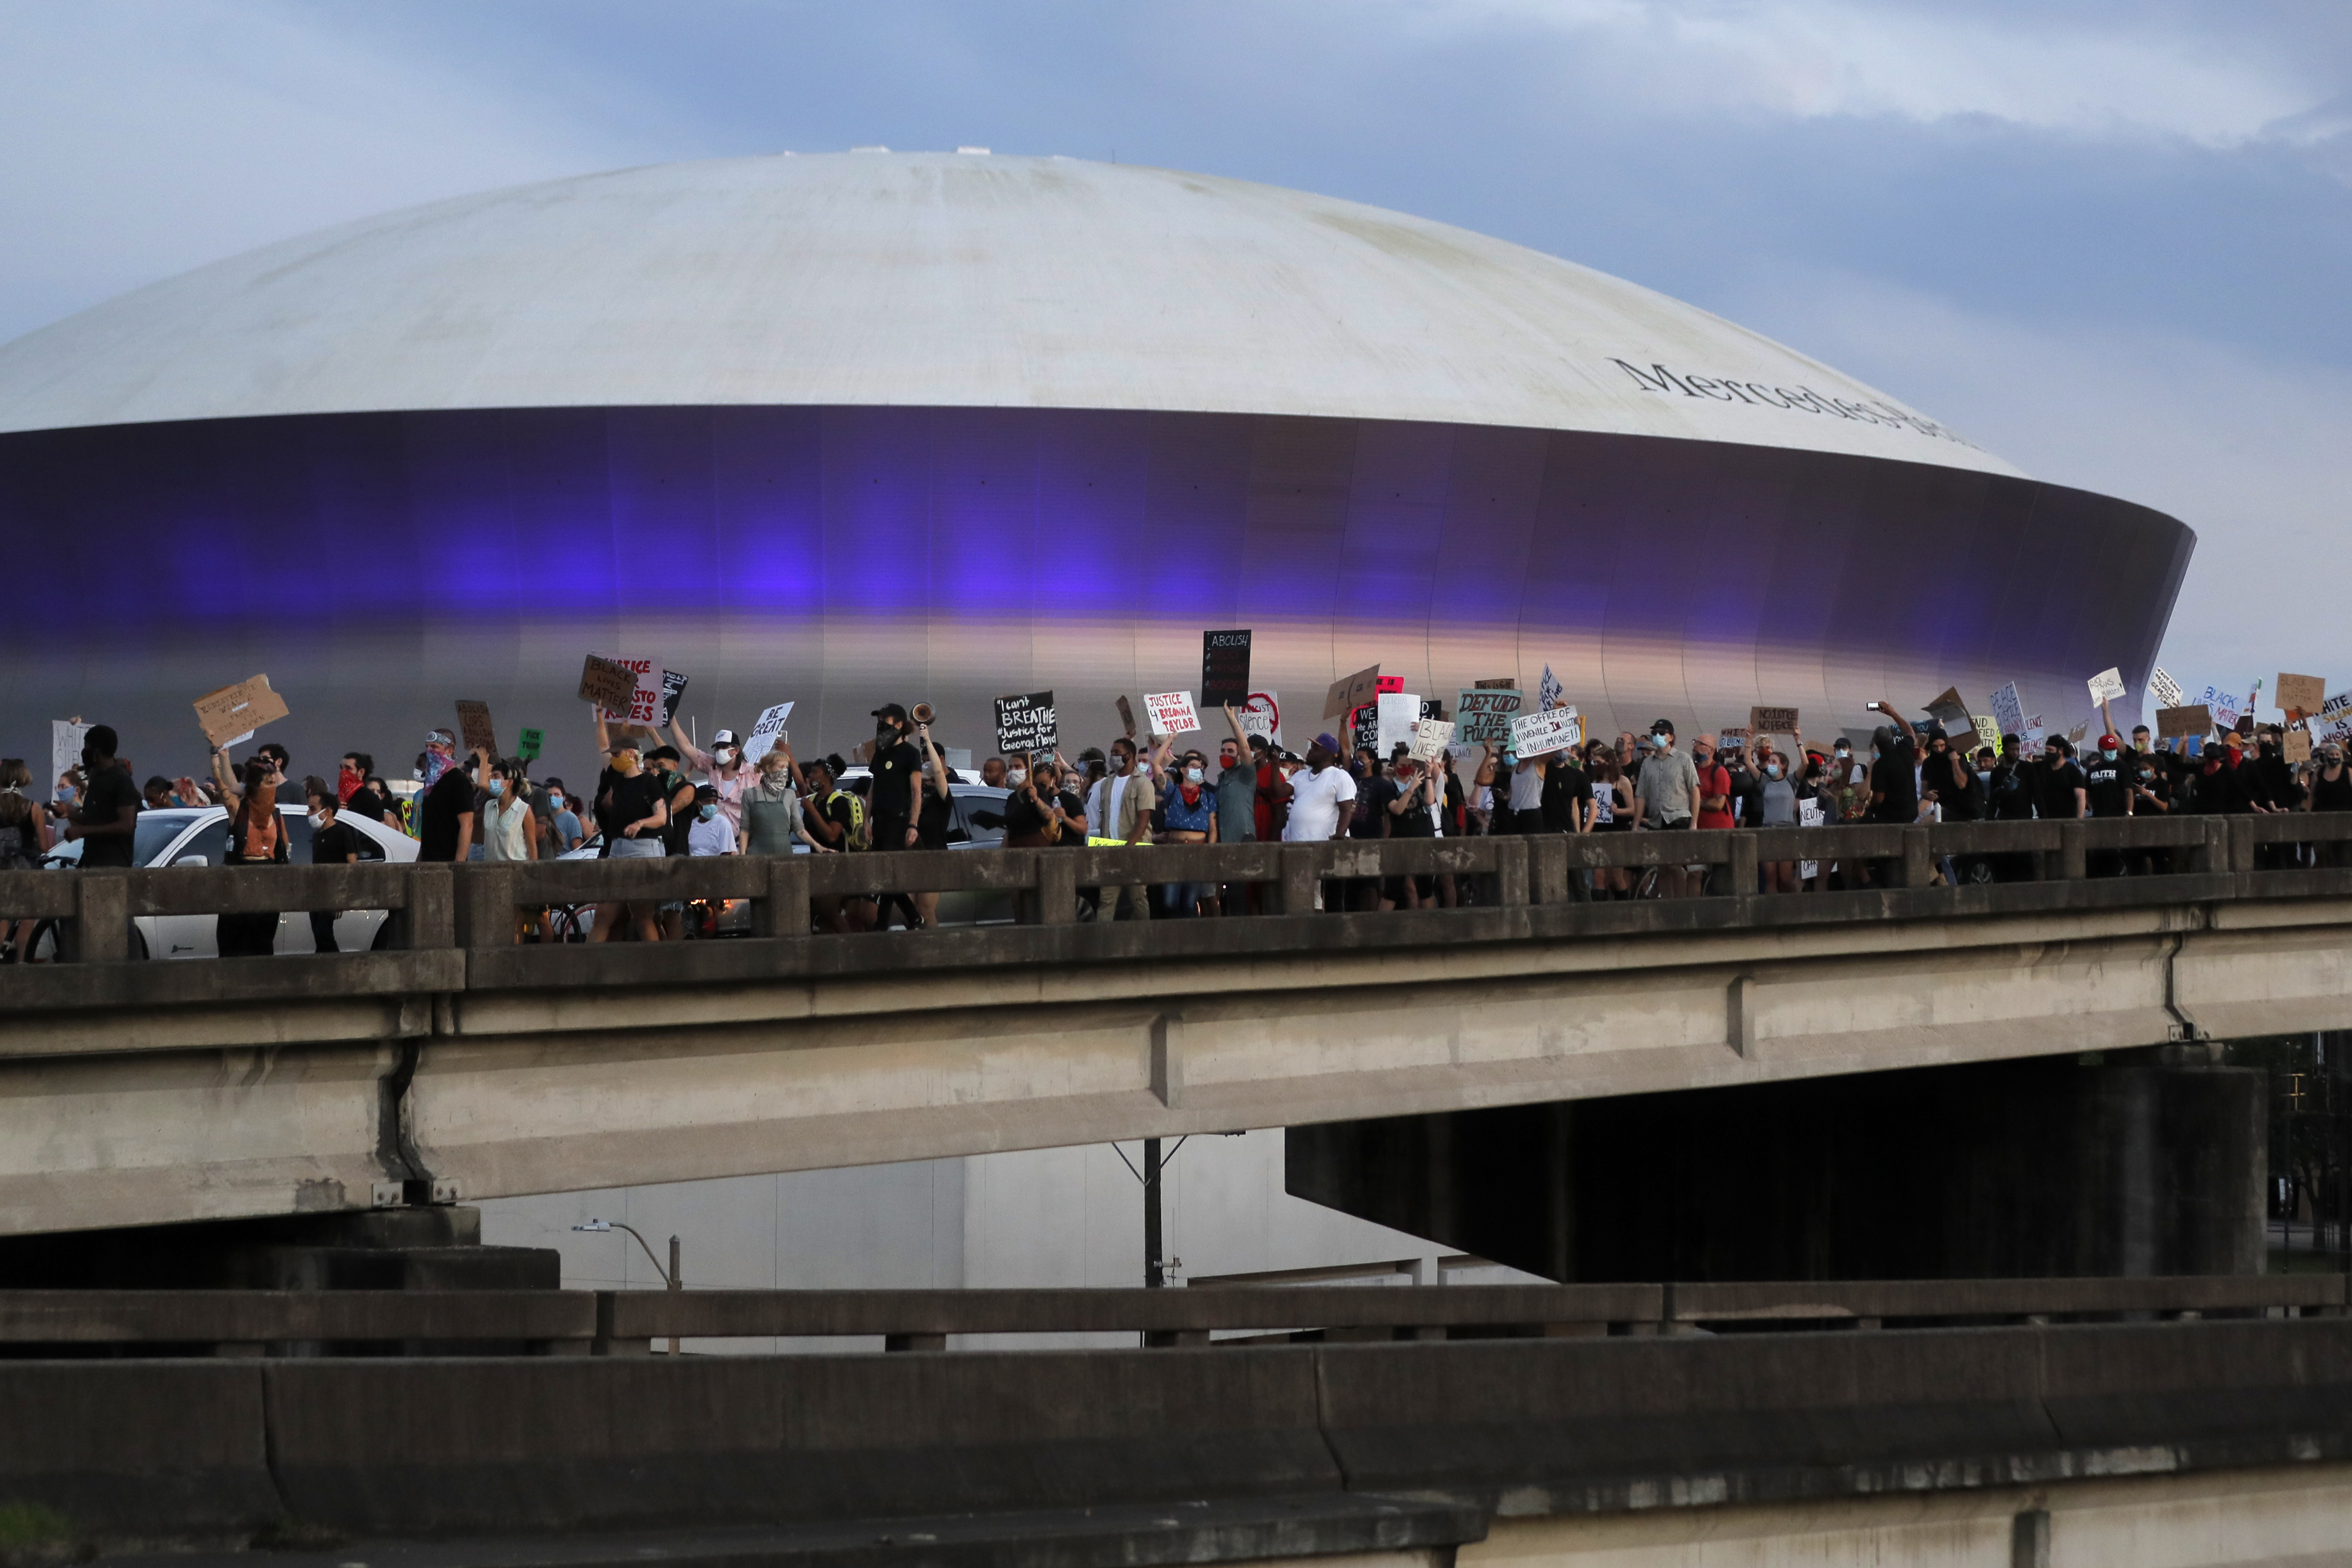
[[155, 832]]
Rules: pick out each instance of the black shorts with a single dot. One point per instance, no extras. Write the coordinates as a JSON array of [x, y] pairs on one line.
[[889, 832]]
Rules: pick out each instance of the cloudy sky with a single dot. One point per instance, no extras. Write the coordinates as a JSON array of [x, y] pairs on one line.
[[2108, 239]]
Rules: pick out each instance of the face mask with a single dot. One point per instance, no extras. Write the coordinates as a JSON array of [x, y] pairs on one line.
[[706, 811], [1016, 777], [1772, 770], [317, 819], [498, 786], [1984, 775], [554, 801], [1191, 775], [2108, 751], [1510, 760], [723, 755], [1843, 751]]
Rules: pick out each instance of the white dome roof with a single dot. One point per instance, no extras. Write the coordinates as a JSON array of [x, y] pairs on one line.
[[937, 279]]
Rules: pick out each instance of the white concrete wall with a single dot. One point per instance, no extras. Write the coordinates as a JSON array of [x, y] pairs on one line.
[[1034, 1217]]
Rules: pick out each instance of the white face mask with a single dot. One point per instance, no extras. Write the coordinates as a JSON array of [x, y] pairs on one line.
[[317, 819], [1016, 777]]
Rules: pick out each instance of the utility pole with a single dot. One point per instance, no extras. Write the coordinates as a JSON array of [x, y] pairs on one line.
[[1154, 1276]]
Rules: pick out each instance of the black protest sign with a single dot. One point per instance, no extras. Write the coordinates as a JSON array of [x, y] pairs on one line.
[[1224, 669], [1026, 724], [673, 688]]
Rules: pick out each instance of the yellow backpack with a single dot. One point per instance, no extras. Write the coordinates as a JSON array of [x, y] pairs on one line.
[[854, 836]]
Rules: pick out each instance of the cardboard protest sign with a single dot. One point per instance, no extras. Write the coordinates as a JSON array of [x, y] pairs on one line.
[[1771, 720], [1352, 692], [2187, 720], [65, 738], [1399, 711], [1170, 712], [2297, 746], [644, 705], [765, 731], [1949, 710], [475, 728], [1224, 667], [529, 744], [608, 684], [1482, 714], [673, 687], [1431, 737], [2107, 686], [1550, 693], [1125, 715], [1540, 734], [244, 707], [1027, 722], [1502, 683], [1262, 715], [2165, 690], [2008, 713], [2302, 695]]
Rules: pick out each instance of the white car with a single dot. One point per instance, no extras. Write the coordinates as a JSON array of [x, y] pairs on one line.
[[182, 835]]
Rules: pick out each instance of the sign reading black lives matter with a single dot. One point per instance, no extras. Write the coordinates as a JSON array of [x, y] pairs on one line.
[[1224, 669], [1026, 724]]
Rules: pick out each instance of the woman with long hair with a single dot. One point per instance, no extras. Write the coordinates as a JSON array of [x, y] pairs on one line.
[[256, 837]]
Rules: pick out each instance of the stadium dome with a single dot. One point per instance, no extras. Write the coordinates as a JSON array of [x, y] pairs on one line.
[[863, 426]]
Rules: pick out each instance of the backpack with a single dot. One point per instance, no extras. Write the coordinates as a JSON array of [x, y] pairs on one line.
[[855, 836]]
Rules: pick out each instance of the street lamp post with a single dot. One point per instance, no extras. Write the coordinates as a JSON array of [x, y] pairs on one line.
[[672, 1277]]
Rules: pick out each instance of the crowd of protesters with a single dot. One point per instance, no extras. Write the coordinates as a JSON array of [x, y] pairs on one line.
[[659, 797]]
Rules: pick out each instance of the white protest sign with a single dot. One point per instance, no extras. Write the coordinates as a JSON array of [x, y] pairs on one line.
[[1170, 712], [1399, 711], [771, 724], [2008, 711], [1431, 737], [2226, 708], [1810, 814], [66, 739], [2334, 720], [2165, 690], [1262, 715], [2107, 686], [646, 705], [1540, 734], [1549, 692]]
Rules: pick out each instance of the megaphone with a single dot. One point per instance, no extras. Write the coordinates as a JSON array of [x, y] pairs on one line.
[[922, 712]]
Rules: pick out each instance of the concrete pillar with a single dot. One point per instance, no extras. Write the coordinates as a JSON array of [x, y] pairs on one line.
[[2045, 1167]]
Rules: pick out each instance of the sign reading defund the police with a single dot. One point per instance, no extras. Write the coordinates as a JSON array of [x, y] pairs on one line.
[[1026, 724], [1482, 714]]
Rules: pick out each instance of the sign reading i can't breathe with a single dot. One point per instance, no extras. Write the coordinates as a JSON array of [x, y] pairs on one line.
[[1027, 724]]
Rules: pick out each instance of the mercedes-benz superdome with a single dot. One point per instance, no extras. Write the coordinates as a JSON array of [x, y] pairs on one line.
[[854, 428]]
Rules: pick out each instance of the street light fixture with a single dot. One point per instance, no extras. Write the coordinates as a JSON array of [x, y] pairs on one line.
[[671, 1277]]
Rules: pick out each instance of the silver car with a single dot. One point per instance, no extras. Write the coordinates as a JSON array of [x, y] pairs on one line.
[[198, 835]]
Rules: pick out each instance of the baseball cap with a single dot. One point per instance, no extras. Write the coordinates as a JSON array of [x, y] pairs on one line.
[[726, 738], [892, 711], [1663, 727], [2110, 740], [1329, 742]]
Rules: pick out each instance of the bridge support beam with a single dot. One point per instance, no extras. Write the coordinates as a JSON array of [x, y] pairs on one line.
[[2039, 1167]]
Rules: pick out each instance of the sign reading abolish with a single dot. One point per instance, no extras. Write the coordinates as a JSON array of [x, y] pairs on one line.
[[474, 727], [1027, 724], [1553, 729], [765, 731], [238, 709], [1224, 667], [606, 683], [1170, 712], [1773, 720], [1482, 714]]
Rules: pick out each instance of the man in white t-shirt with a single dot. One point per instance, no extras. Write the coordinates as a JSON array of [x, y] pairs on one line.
[[1319, 796]]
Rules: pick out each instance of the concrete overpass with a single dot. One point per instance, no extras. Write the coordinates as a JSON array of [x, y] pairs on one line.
[[454, 1065]]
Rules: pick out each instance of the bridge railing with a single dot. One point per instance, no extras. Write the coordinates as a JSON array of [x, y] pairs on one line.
[[632, 1322], [452, 927]]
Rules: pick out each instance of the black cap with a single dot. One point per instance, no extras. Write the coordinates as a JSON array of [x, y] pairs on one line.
[[892, 710], [1663, 727]]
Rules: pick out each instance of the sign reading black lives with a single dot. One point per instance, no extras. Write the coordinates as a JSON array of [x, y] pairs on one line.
[[1224, 670], [1026, 724]]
